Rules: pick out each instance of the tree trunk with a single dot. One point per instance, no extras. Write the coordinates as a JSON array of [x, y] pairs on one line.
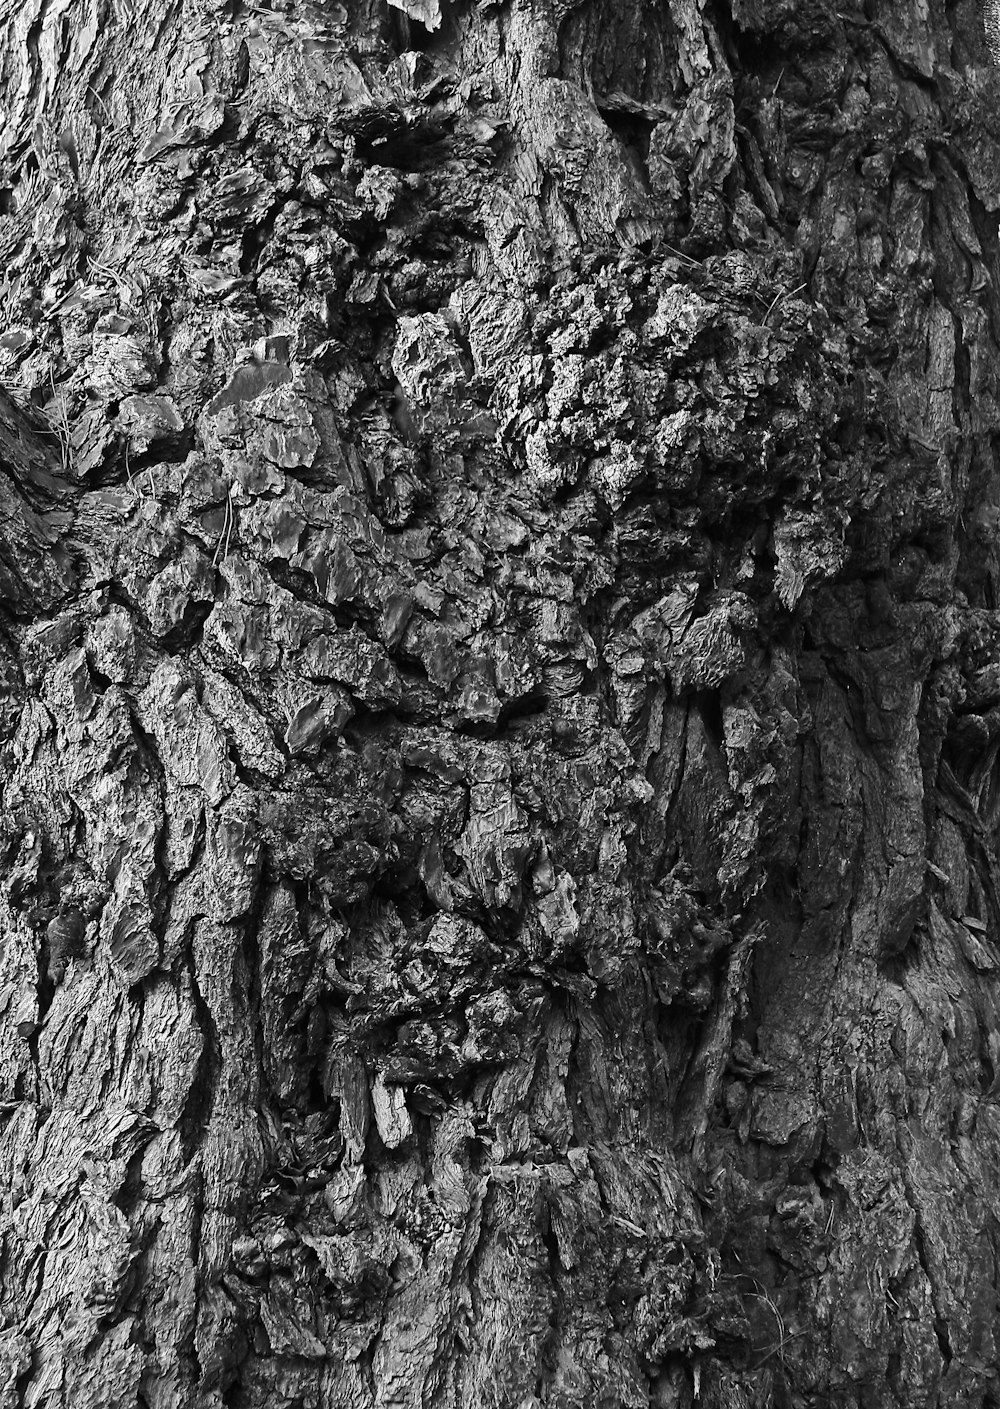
[[500, 692]]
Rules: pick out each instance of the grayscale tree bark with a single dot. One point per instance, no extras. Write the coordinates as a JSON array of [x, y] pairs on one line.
[[499, 675]]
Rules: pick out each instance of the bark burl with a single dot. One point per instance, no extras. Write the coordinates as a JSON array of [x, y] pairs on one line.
[[500, 697]]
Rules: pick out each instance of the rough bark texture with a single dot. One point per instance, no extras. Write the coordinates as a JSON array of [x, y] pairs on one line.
[[500, 897]]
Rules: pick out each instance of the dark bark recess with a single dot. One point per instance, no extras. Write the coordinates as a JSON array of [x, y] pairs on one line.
[[500, 704]]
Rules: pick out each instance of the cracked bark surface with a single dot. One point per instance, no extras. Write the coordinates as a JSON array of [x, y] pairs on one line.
[[500, 696]]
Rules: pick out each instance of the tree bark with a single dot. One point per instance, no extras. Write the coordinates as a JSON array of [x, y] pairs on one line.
[[499, 676]]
